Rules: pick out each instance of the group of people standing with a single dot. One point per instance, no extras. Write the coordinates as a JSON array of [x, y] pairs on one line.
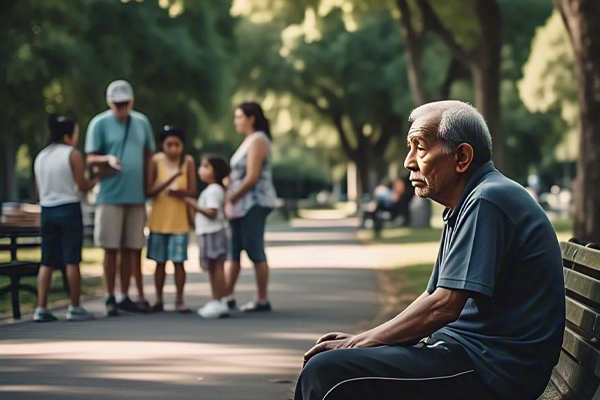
[[120, 156]]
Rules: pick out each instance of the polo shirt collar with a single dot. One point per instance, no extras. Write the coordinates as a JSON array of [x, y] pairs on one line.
[[450, 214]]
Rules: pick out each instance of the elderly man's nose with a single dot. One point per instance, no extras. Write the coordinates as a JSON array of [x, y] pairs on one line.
[[410, 162]]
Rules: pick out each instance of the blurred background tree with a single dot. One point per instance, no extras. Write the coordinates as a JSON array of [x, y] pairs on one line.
[[581, 20], [337, 78], [61, 56]]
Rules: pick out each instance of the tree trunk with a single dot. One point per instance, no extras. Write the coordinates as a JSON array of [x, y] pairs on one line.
[[486, 74], [486, 87], [366, 171], [8, 189], [414, 54], [581, 19]]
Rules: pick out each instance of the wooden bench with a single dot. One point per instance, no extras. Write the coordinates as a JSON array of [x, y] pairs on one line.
[[577, 375], [14, 268]]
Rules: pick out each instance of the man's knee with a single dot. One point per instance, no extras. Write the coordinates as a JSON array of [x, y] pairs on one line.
[[321, 374]]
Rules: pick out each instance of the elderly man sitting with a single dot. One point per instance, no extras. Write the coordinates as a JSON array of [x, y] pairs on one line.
[[490, 324]]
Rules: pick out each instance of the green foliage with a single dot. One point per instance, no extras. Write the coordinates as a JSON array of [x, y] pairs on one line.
[[65, 54], [549, 84], [191, 62], [320, 67]]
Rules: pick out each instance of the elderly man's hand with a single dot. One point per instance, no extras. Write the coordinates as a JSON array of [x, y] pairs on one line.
[[333, 336], [346, 343]]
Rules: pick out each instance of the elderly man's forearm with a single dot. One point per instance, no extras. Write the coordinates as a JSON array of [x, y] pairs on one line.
[[422, 318]]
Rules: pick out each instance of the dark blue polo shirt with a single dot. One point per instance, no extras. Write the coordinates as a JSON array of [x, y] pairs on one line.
[[499, 244]]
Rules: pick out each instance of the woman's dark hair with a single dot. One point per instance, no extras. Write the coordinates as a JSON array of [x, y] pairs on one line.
[[261, 123], [220, 167], [169, 130], [59, 127]]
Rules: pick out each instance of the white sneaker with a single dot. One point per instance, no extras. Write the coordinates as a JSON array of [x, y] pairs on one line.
[[214, 309], [78, 314], [43, 315]]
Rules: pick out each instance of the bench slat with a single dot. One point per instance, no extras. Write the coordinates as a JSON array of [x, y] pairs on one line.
[[573, 381], [581, 255], [9, 247], [583, 285], [583, 317], [582, 351], [23, 268]]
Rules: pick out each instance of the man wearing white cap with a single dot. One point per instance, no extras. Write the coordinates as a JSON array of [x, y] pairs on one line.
[[120, 141]]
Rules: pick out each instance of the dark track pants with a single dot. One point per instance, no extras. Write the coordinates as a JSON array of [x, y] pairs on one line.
[[436, 370]]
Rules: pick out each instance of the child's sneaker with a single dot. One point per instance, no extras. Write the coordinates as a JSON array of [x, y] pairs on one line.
[[43, 315], [214, 309], [78, 314], [230, 301], [255, 306], [111, 306]]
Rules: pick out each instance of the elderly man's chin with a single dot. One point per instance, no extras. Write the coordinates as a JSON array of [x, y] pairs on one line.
[[422, 191]]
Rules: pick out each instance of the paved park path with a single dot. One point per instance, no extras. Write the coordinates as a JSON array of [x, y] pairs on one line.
[[323, 279]]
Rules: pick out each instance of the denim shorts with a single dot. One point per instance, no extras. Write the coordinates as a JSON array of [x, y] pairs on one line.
[[163, 247], [62, 235], [248, 233]]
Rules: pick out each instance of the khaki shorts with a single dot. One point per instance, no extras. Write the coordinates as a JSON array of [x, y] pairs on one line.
[[120, 226]]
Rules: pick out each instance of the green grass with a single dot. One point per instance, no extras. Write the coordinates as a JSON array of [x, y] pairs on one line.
[[90, 286], [563, 225], [57, 296], [402, 235], [89, 255], [414, 278]]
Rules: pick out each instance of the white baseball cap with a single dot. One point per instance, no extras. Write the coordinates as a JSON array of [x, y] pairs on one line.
[[119, 92]]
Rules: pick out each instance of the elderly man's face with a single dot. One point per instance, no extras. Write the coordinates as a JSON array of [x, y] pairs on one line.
[[432, 168], [121, 110]]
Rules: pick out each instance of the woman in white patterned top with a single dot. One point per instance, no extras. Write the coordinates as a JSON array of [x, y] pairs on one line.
[[251, 198]]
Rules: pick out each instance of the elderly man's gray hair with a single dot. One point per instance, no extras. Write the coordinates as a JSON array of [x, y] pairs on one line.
[[460, 123]]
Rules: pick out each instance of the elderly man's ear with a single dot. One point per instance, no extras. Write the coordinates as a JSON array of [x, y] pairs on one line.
[[464, 157]]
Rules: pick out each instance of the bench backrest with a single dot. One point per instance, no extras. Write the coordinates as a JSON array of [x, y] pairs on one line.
[[577, 375]]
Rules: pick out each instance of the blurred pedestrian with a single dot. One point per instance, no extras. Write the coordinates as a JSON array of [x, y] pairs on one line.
[[171, 177], [59, 169], [251, 198], [119, 144], [211, 227]]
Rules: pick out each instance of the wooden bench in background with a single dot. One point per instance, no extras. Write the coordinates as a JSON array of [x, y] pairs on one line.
[[577, 375], [13, 239], [14, 268]]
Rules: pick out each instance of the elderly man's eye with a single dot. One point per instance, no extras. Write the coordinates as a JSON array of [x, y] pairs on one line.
[[420, 148]]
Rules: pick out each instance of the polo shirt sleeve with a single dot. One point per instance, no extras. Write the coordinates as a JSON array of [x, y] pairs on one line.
[[481, 239], [93, 137], [433, 280]]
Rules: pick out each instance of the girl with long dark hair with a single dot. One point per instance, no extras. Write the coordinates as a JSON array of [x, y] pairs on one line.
[[171, 177]]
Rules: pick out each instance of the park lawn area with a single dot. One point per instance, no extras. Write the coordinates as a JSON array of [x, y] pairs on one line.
[[90, 286], [401, 235], [405, 283]]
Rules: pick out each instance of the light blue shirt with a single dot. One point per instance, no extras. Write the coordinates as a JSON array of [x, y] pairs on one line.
[[106, 135]]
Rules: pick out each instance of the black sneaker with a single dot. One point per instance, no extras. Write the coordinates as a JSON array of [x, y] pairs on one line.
[[253, 306], [111, 307], [231, 304], [143, 305], [127, 305]]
